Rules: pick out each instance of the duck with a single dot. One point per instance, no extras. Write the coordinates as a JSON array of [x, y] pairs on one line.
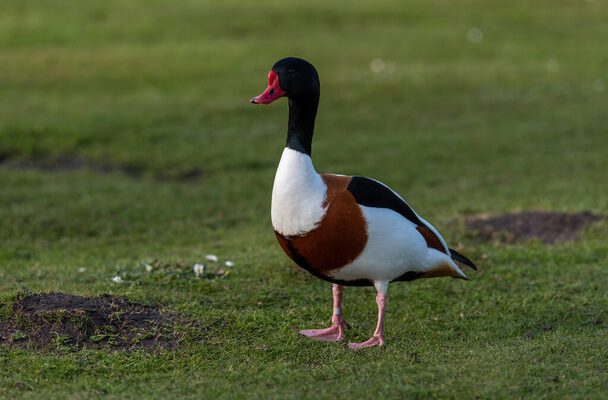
[[346, 230]]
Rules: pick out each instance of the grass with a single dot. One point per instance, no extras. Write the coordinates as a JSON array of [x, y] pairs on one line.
[[516, 121]]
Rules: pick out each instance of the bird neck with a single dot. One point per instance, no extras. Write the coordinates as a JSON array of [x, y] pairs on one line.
[[302, 114]]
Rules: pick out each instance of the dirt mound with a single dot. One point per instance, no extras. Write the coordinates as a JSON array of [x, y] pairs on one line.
[[549, 227], [55, 320]]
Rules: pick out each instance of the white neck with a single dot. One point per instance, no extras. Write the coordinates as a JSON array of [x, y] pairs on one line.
[[297, 195]]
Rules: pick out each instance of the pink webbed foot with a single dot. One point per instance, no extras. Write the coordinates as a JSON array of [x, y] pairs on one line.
[[334, 333], [371, 342], [378, 338]]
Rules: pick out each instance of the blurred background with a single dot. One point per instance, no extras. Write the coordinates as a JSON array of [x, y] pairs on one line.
[[126, 134]]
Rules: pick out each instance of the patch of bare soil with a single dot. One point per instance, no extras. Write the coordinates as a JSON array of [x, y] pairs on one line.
[[68, 164], [57, 320], [546, 226]]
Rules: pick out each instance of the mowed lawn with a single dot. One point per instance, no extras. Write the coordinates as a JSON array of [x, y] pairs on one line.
[[476, 107]]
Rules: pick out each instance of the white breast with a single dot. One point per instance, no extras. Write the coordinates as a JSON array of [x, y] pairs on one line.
[[297, 195]]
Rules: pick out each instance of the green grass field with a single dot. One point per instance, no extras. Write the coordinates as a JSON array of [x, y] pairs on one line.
[[458, 125]]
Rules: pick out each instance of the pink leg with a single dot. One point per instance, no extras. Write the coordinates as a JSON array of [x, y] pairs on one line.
[[335, 332], [378, 338]]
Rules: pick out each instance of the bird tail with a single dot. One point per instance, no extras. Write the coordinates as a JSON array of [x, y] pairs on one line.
[[462, 259]]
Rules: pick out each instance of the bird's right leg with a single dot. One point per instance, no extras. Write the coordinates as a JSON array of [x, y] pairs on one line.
[[335, 332]]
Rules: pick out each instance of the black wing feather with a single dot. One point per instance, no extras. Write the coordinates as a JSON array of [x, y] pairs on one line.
[[371, 193], [461, 258]]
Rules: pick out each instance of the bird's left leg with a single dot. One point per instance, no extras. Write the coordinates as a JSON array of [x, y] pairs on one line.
[[335, 332], [378, 338]]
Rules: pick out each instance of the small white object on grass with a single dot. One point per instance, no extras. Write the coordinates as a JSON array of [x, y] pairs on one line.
[[229, 264], [82, 269], [377, 65], [117, 279], [598, 85], [149, 268], [211, 257], [475, 35], [552, 65], [199, 269]]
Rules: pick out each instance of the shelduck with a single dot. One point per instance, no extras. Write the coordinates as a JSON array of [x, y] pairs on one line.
[[347, 230]]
